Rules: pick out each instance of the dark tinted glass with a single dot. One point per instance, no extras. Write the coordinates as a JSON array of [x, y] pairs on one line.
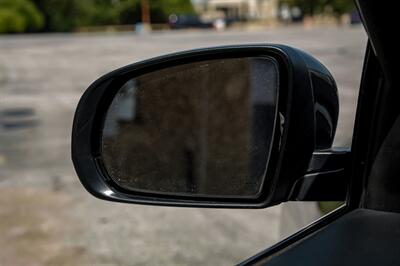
[[204, 128]]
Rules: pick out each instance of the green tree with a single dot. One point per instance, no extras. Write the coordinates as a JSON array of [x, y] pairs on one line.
[[19, 16], [66, 15], [160, 10], [130, 10], [63, 15], [101, 12]]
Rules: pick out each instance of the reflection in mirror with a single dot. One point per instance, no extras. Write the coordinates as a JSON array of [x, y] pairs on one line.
[[199, 129]]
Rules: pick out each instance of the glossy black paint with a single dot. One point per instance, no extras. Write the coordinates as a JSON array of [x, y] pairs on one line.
[[304, 84], [326, 178], [377, 111], [358, 168]]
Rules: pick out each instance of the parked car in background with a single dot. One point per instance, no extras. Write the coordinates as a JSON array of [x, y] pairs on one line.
[[185, 21]]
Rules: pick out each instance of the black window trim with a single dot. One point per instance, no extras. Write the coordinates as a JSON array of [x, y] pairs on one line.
[[361, 157]]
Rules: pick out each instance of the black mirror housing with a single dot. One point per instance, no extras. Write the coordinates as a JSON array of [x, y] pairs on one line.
[[307, 113]]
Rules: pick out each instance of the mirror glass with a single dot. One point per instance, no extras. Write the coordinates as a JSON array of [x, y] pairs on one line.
[[199, 129]]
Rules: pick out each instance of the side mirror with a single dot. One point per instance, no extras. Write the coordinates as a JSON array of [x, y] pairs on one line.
[[229, 126]]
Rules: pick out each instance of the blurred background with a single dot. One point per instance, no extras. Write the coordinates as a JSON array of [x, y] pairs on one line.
[[51, 50]]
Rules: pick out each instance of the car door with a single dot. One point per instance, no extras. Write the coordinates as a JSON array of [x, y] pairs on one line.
[[366, 230], [82, 157]]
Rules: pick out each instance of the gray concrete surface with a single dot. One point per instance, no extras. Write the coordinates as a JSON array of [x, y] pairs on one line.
[[47, 218]]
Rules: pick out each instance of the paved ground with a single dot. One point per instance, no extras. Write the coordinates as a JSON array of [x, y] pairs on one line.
[[46, 217]]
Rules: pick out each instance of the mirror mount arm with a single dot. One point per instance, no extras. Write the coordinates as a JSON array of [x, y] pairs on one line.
[[326, 178]]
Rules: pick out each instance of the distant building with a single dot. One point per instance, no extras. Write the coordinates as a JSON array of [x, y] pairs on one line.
[[240, 10]]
